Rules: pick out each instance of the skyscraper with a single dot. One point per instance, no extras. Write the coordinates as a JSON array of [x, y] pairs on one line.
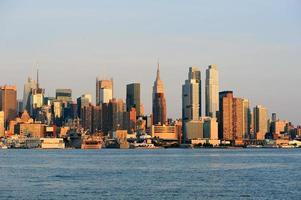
[[28, 87], [247, 118], [8, 102], [63, 95], [191, 96], [82, 101], [159, 102], [133, 97], [195, 74], [104, 91], [238, 119], [260, 114], [2, 124], [225, 122], [212, 91], [36, 98]]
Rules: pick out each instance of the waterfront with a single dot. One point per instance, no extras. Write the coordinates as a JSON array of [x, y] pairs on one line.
[[151, 174]]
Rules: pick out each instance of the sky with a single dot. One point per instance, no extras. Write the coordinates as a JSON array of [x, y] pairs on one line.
[[256, 45]]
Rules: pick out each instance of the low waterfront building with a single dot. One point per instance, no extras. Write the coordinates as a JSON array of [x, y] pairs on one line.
[[194, 130], [31, 129], [165, 132]]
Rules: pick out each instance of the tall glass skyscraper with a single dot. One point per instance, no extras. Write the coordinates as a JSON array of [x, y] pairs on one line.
[[133, 97], [159, 102], [212, 91], [28, 87], [191, 95]]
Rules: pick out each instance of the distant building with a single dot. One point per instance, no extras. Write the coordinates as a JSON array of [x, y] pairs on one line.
[[2, 124], [279, 126], [225, 122], [63, 95], [35, 130], [195, 74], [36, 100], [260, 115], [28, 87], [159, 102], [234, 117], [212, 91], [133, 97], [104, 91], [8, 102], [194, 129], [167, 133], [274, 117], [83, 101], [191, 98], [210, 128]]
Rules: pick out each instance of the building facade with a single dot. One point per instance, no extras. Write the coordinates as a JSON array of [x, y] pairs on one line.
[[212, 91], [104, 91], [133, 97], [8, 102], [159, 102]]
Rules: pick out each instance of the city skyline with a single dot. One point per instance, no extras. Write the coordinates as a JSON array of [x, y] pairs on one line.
[[83, 46]]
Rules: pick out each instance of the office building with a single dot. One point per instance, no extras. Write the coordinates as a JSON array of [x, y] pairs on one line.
[[212, 91], [8, 102], [225, 122], [159, 102], [28, 87], [133, 97], [2, 124], [260, 115], [104, 91], [64, 95]]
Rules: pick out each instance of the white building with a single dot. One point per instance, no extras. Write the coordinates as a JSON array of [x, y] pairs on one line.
[[212, 91]]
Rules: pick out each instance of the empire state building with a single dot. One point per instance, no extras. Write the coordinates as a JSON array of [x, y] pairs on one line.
[[159, 102]]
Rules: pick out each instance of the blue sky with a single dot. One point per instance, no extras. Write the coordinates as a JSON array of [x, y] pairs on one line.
[[256, 45]]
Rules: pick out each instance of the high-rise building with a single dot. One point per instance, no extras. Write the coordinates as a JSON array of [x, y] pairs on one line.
[[260, 115], [63, 95], [82, 101], [2, 124], [191, 96], [238, 119], [234, 117], [28, 87], [36, 100], [159, 102], [104, 91], [210, 128], [195, 74], [274, 117], [212, 91], [191, 102], [133, 97], [247, 119], [225, 122], [8, 102]]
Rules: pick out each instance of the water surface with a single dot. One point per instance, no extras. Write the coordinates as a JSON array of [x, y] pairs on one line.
[[151, 174]]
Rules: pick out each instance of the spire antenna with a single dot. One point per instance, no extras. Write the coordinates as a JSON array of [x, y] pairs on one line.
[[37, 75], [158, 70]]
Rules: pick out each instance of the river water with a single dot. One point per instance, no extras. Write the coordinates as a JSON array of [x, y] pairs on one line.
[[151, 174]]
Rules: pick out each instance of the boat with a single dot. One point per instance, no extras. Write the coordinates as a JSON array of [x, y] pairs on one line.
[[287, 146], [52, 143], [91, 142], [142, 146], [254, 146], [3, 147]]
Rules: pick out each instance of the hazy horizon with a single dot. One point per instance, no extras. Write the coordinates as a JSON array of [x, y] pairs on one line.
[[256, 45]]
